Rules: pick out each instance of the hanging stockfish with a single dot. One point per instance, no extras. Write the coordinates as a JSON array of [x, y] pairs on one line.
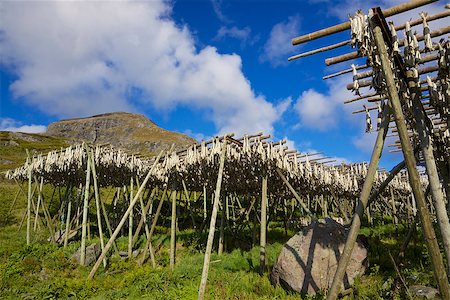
[[395, 48], [355, 87], [379, 115], [368, 120], [426, 33]]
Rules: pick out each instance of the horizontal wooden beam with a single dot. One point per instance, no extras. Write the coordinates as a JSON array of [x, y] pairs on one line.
[[346, 25]]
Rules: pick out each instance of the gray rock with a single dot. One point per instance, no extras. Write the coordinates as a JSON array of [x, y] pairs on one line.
[[424, 291], [308, 261], [92, 253]]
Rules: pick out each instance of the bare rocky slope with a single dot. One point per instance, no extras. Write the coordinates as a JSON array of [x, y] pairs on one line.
[[131, 132]]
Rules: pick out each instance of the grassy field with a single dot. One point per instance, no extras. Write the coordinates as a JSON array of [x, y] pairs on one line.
[[46, 271]]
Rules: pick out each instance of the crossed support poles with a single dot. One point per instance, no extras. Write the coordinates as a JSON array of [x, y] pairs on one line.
[[377, 22]]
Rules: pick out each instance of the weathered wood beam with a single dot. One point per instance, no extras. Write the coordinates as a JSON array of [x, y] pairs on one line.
[[346, 25]]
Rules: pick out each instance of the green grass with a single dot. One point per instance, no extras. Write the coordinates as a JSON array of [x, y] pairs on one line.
[[46, 271]]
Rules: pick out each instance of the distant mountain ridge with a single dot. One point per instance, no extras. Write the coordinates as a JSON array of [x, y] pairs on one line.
[[128, 131]]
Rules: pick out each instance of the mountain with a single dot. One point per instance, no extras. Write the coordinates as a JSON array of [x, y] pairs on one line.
[[131, 132]]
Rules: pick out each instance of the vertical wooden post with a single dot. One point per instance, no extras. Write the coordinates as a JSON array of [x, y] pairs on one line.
[[427, 226], [123, 220], [221, 233], [212, 226], [262, 237], [38, 203], [85, 208], [359, 212], [394, 208], [97, 205], [66, 232], [173, 222], [130, 223], [204, 202], [430, 162], [29, 198]]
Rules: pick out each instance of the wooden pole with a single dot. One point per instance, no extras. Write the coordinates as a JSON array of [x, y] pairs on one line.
[[345, 26], [97, 204], [394, 209], [221, 232], [85, 209], [173, 222], [430, 162], [130, 223], [262, 237], [212, 226], [359, 212], [427, 226], [29, 199], [123, 220], [66, 232], [204, 202], [38, 203]]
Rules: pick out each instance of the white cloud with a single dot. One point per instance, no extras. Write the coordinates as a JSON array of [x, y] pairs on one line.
[[217, 6], [365, 142], [242, 34], [8, 124], [290, 143], [83, 58], [278, 46], [316, 110], [322, 111]]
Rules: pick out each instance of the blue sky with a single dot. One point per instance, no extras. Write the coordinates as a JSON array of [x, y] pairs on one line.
[[199, 67]]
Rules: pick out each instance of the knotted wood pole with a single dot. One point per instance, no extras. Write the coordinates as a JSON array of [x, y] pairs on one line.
[[212, 226], [123, 220], [362, 203]]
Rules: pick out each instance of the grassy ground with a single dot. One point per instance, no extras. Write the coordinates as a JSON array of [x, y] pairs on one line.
[[46, 271]]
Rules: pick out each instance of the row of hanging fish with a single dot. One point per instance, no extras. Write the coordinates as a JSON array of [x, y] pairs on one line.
[[245, 163]]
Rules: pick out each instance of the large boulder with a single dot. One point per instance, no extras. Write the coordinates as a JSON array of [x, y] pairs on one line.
[[92, 253], [308, 261]]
